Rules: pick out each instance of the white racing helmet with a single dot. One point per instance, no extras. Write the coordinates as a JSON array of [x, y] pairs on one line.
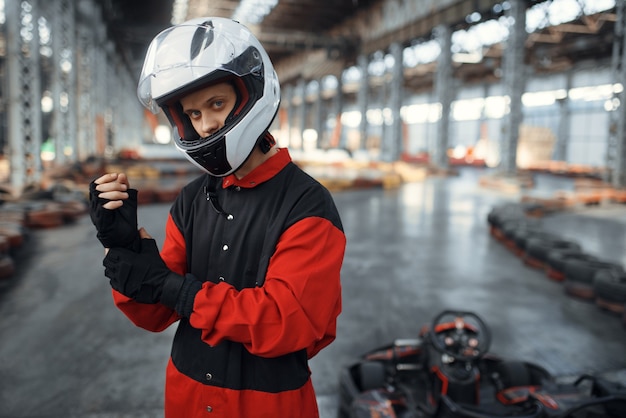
[[196, 54]]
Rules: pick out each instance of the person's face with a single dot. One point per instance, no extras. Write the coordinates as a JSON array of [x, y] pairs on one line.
[[208, 107]]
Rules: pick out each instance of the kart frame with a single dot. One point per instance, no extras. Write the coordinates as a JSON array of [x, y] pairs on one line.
[[448, 372]]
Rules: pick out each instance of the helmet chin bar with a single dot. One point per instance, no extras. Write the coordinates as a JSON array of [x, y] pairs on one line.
[[212, 157]]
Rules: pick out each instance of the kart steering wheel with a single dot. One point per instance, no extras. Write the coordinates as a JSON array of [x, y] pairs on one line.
[[461, 335]]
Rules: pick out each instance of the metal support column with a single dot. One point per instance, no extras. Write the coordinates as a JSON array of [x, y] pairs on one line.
[[288, 105], [483, 135], [395, 101], [384, 129], [112, 108], [109, 111], [339, 140], [303, 110], [565, 114], [320, 115], [514, 80], [616, 147], [444, 89], [362, 96], [620, 174], [124, 117], [287, 108], [85, 48], [24, 92], [101, 70], [64, 78]]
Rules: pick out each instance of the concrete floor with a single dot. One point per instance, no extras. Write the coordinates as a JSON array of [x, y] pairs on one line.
[[65, 350]]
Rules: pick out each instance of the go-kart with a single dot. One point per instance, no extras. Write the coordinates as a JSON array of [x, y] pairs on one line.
[[448, 372]]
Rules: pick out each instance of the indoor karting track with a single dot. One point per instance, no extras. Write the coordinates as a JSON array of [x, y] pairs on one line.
[[413, 251]]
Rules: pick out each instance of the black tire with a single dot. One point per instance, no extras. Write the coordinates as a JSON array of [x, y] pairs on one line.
[[610, 285], [517, 239], [348, 391], [556, 258], [523, 235], [509, 230], [500, 214], [539, 248], [510, 227], [583, 271], [40, 214], [7, 266], [371, 375], [14, 232]]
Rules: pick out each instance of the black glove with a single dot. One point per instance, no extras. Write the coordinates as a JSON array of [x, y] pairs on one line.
[[116, 227], [145, 278]]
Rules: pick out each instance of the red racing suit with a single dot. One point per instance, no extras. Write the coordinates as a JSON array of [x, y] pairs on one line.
[[270, 265]]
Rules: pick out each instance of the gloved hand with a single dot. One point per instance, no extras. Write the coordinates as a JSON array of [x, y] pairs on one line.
[[145, 278], [116, 227]]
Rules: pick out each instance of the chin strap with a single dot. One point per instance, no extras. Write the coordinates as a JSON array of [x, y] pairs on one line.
[[210, 191], [266, 142]]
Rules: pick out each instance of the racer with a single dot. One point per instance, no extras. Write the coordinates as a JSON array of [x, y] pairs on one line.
[[250, 265]]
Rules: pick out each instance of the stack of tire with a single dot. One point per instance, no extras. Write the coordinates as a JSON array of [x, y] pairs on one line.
[[584, 276], [34, 209], [12, 237]]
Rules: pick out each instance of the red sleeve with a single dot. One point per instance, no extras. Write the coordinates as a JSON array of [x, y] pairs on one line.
[[156, 317], [174, 250], [296, 308]]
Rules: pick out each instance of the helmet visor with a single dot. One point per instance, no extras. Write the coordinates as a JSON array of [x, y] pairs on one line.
[[181, 55]]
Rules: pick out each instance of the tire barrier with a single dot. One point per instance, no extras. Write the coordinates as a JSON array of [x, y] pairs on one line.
[[538, 248], [555, 262], [610, 290], [511, 230], [11, 238], [14, 233], [507, 212], [4, 245], [12, 213], [522, 236], [502, 215], [584, 276], [43, 215], [7, 266], [580, 274], [35, 209]]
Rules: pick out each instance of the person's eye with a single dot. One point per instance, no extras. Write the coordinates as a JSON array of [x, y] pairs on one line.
[[218, 104], [193, 114]]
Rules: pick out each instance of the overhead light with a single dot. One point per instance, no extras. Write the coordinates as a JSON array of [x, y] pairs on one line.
[[253, 11]]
